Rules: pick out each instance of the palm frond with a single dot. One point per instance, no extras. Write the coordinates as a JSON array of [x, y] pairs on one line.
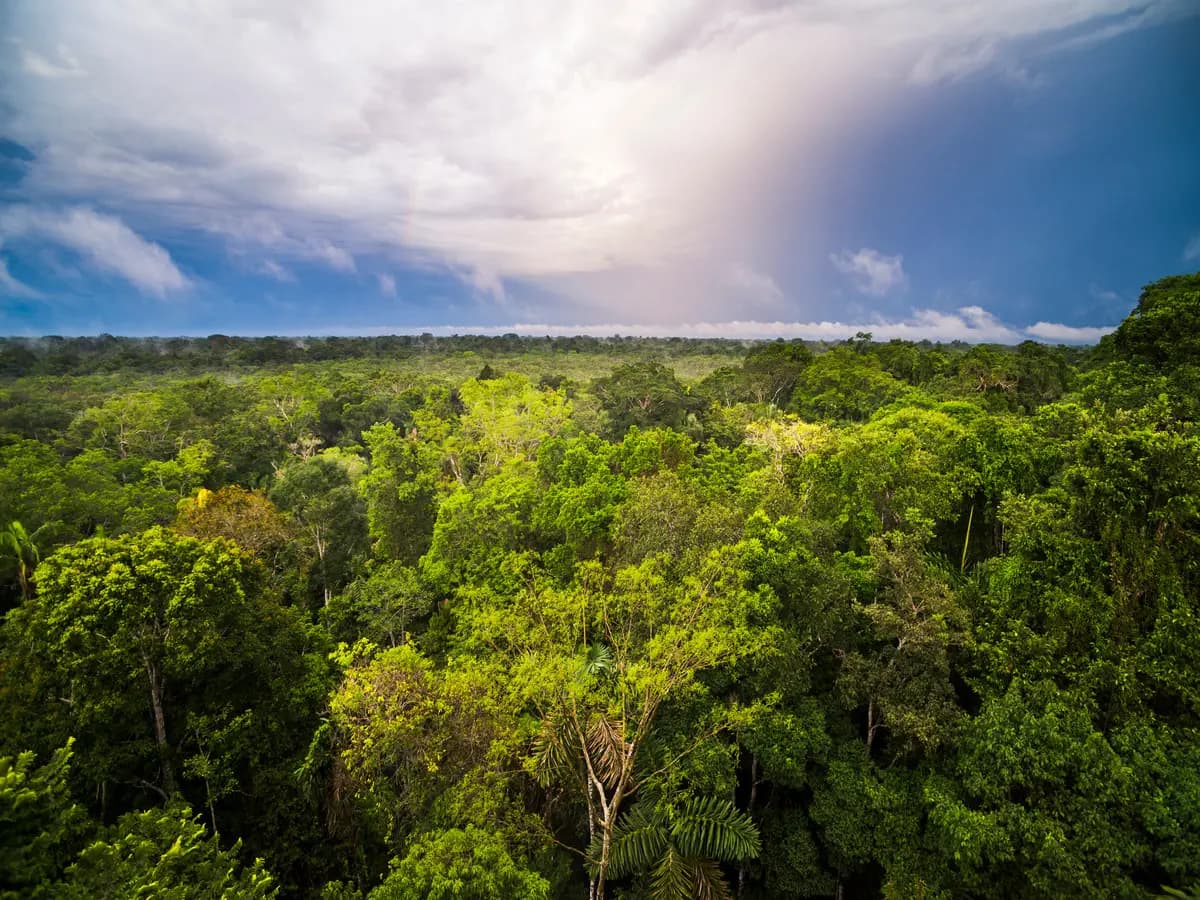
[[639, 839], [607, 747], [709, 881], [673, 878], [598, 660], [591, 856], [714, 828], [551, 754]]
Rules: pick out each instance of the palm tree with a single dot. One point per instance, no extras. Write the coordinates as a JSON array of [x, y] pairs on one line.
[[17, 542], [681, 848]]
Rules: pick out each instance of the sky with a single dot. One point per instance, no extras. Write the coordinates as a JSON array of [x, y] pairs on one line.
[[749, 169]]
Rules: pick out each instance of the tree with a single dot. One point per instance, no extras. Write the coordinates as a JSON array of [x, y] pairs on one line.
[[320, 494], [405, 733], [143, 424], [680, 847], [250, 520], [163, 853], [245, 517], [400, 489], [645, 394], [507, 418], [471, 863], [16, 542], [844, 385], [903, 675], [379, 607], [127, 646], [1163, 331], [40, 825], [771, 371], [601, 661]]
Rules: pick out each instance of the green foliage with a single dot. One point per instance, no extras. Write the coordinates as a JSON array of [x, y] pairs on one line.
[[471, 863], [679, 848], [400, 491], [320, 494], [17, 543], [842, 385], [1163, 332], [40, 825], [381, 607], [163, 853], [645, 394], [636, 617]]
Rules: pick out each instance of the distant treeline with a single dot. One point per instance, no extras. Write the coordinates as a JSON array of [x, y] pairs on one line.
[[57, 355]]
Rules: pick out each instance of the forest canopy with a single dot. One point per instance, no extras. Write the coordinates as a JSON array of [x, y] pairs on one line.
[[413, 617]]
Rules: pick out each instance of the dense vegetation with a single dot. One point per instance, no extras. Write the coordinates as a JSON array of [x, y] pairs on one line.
[[408, 618]]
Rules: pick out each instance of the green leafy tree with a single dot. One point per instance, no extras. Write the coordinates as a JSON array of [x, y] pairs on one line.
[[40, 825], [1163, 331], [163, 853], [772, 370], [400, 489], [645, 394], [508, 418], [599, 662], [844, 385], [320, 494], [18, 544], [127, 646], [903, 676], [681, 847], [380, 607], [471, 863]]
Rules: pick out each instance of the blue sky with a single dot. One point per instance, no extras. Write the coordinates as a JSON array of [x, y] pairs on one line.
[[748, 168]]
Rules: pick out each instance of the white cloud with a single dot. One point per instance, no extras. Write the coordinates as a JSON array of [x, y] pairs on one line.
[[104, 241], [334, 257], [1068, 334], [10, 286], [1104, 294], [1192, 251], [272, 269], [871, 272], [949, 64], [972, 324], [595, 143], [952, 64], [67, 65], [751, 287], [387, 285]]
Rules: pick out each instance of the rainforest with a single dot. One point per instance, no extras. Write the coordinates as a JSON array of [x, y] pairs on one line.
[[418, 617]]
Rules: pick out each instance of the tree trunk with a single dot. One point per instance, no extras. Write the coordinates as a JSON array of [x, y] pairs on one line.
[[591, 805], [741, 886], [319, 534], [212, 813], [606, 843], [870, 724], [160, 725]]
